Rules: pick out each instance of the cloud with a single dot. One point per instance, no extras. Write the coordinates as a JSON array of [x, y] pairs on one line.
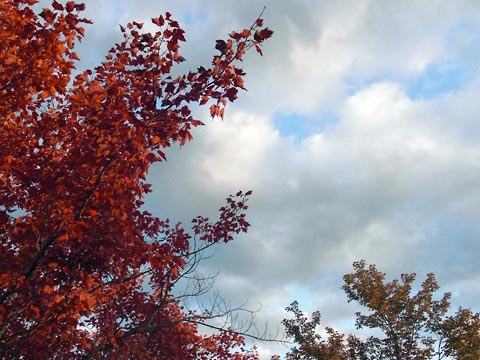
[[393, 180]]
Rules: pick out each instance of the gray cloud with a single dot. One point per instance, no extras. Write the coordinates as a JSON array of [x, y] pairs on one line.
[[393, 181]]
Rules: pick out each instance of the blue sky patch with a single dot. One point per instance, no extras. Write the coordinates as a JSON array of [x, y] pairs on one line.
[[301, 126], [303, 297], [438, 79], [192, 18]]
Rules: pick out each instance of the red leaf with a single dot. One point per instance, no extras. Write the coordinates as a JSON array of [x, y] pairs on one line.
[[213, 110], [245, 33], [76, 150], [57, 6], [70, 6], [234, 35], [258, 49], [265, 33], [231, 94], [221, 45], [160, 21], [93, 212], [155, 140], [196, 122], [35, 309]]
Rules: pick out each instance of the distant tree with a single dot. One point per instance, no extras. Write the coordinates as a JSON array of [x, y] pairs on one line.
[[414, 326], [85, 272]]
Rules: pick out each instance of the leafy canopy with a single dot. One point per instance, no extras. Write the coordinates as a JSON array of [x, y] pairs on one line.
[[85, 272], [412, 326]]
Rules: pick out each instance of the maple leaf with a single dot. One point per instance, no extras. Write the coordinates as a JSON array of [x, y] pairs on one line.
[[160, 21], [79, 252], [221, 46]]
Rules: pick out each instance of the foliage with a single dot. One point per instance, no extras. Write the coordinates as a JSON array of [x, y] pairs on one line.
[[85, 272], [413, 326]]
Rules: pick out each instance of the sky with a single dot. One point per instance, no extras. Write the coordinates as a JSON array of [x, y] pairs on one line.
[[359, 136]]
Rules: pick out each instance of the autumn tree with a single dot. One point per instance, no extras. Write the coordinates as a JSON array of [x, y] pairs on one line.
[[414, 325], [85, 272]]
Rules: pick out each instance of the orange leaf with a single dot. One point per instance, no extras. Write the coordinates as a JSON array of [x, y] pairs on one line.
[[85, 296], [155, 140], [35, 309], [213, 110], [63, 237], [158, 21], [246, 33], [70, 6]]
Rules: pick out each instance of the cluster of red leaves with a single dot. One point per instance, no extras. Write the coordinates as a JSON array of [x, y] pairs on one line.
[[77, 251]]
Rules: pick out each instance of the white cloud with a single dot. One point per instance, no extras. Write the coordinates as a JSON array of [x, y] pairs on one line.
[[394, 181], [379, 185]]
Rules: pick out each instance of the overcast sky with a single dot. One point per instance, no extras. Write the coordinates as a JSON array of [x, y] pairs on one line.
[[359, 135]]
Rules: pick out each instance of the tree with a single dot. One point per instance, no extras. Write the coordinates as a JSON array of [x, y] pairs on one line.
[[414, 326], [85, 271]]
